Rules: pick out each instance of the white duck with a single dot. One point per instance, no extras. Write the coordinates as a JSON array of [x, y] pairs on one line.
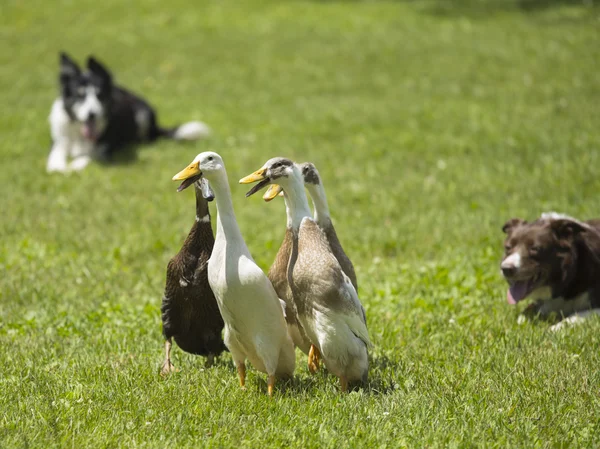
[[326, 302], [255, 327]]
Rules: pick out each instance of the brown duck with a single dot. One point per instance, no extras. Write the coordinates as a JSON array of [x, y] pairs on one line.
[[190, 314], [326, 302], [278, 277], [314, 185], [278, 271]]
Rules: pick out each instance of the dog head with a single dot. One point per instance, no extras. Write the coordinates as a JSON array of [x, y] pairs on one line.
[[86, 95], [540, 257]]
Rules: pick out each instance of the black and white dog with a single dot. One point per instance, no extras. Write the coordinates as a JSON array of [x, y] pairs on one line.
[[93, 118]]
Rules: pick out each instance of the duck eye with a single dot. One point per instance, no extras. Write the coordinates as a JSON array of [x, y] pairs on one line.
[[210, 158]]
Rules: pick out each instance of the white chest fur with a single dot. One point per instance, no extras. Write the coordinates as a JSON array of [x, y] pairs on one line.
[[570, 312], [565, 308], [70, 151]]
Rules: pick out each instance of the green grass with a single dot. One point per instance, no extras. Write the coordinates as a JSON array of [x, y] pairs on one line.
[[432, 122]]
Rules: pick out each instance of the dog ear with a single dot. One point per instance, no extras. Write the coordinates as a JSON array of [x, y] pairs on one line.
[[68, 68], [98, 69], [511, 224], [565, 228]]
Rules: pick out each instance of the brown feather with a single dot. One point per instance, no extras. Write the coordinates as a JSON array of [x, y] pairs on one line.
[[190, 313]]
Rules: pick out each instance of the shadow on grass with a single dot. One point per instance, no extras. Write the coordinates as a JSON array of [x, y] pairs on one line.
[[129, 154], [123, 156], [483, 8], [378, 383], [305, 384], [534, 5], [480, 8], [185, 362], [298, 385]]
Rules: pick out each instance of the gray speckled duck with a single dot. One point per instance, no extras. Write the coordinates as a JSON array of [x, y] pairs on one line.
[[325, 300]]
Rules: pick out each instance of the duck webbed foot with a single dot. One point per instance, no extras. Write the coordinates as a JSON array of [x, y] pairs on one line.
[[241, 369], [210, 360], [344, 384], [314, 357], [270, 384], [167, 367]]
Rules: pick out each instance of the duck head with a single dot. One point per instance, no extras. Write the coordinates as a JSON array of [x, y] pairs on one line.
[[196, 172], [276, 173], [310, 174]]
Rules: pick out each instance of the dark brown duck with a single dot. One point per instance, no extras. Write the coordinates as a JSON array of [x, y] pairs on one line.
[[190, 314]]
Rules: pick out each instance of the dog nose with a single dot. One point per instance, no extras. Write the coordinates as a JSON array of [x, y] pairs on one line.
[[508, 270], [91, 116]]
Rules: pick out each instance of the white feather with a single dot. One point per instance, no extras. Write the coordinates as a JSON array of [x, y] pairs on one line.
[[356, 320], [282, 302], [255, 327]]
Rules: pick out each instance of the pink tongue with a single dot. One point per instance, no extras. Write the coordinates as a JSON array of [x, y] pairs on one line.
[[89, 131], [517, 292]]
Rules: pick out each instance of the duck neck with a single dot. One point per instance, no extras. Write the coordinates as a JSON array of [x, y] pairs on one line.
[[296, 204], [319, 199], [227, 225], [201, 232], [202, 212]]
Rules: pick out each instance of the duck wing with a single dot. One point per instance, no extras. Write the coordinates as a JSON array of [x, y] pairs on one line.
[[355, 317]]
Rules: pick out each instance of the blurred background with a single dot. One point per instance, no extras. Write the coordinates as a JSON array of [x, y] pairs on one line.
[[432, 122]]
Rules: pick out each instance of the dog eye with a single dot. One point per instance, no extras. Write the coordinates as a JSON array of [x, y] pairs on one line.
[[535, 249], [507, 248]]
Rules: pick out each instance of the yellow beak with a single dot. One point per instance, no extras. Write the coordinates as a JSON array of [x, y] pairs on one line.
[[272, 192], [258, 175], [191, 170]]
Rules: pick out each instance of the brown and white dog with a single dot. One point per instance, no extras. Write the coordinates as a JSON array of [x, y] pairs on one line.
[[554, 260]]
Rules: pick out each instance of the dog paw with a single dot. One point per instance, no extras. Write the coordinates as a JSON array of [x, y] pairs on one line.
[[521, 319], [57, 168], [556, 327], [80, 163]]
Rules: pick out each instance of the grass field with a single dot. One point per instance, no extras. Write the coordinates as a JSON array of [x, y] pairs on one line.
[[432, 122]]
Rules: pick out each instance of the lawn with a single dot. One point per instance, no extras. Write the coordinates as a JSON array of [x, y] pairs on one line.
[[431, 122]]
